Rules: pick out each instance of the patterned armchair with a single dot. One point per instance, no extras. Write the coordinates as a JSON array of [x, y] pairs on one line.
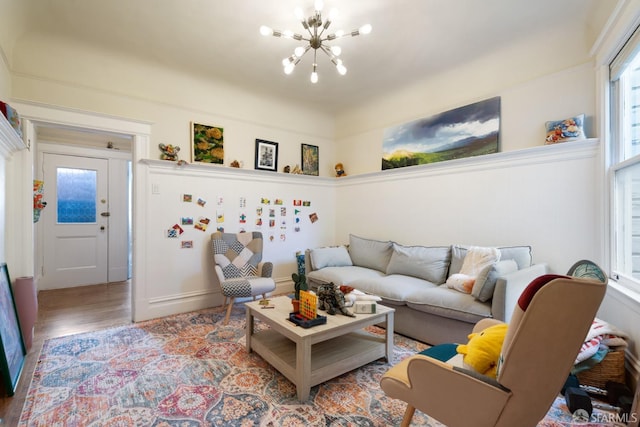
[[239, 266]]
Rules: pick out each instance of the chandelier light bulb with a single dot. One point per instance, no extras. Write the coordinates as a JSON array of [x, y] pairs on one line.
[[288, 34], [299, 13], [299, 51], [287, 61], [319, 4], [314, 77], [339, 33], [365, 29], [288, 69], [266, 31], [341, 69], [336, 50]]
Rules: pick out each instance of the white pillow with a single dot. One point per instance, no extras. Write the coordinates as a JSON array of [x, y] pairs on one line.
[[330, 257], [476, 260]]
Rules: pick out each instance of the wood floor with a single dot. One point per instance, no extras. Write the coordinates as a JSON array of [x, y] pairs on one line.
[[65, 312]]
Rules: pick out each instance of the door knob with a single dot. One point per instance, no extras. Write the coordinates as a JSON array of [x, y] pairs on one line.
[[102, 228]]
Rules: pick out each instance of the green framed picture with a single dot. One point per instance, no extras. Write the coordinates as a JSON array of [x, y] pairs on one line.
[[207, 144]]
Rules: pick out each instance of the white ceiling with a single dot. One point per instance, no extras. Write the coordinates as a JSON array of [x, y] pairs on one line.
[[411, 39]]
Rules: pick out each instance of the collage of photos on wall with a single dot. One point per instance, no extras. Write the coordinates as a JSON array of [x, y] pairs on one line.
[[276, 218]]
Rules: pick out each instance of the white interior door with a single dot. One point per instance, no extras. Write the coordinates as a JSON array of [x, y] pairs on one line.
[[76, 221]]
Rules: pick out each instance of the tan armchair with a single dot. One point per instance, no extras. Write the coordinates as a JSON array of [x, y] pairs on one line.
[[548, 327], [239, 266]]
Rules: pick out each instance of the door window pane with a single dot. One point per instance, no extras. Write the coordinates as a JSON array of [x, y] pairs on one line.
[[76, 195]]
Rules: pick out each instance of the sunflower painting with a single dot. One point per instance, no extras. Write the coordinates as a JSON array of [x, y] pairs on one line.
[[207, 144]]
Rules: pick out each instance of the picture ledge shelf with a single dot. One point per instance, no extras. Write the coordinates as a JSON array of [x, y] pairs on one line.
[[10, 141], [532, 155]]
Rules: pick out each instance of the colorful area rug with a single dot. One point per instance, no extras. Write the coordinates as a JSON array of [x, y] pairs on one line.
[[191, 370]]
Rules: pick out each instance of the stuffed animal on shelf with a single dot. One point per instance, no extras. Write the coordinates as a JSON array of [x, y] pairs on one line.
[[169, 152], [331, 299], [482, 351], [340, 170]]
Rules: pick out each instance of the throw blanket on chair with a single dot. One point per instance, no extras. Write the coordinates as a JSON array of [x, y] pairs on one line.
[[602, 335]]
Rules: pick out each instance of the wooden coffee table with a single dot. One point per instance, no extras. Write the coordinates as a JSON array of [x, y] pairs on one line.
[[308, 357]]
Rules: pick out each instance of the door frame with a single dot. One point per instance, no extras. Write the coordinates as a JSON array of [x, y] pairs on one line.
[[34, 114]]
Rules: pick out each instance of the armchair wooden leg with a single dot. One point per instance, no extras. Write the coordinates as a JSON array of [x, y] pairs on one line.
[[408, 415], [226, 318]]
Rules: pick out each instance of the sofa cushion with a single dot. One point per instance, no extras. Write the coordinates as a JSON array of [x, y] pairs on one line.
[[520, 254], [393, 289], [486, 280], [428, 263], [342, 275], [369, 253], [446, 302], [337, 256]]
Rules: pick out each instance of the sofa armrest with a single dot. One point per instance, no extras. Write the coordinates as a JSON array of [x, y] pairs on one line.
[[510, 286]]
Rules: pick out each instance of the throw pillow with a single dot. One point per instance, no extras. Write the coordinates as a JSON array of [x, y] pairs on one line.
[[424, 262], [520, 254], [369, 253], [571, 129], [475, 260], [487, 278], [330, 257]]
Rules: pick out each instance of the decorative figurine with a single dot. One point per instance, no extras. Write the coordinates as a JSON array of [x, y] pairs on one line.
[[169, 152], [340, 170]]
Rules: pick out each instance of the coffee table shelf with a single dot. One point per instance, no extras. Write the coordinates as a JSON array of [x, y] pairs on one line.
[[308, 357]]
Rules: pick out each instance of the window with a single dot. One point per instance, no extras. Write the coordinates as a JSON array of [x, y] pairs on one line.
[[625, 155], [76, 190]]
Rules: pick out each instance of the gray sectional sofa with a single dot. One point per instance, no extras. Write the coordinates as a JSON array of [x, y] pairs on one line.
[[411, 279]]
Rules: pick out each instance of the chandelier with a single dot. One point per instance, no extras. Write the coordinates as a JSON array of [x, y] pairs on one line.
[[316, 40]]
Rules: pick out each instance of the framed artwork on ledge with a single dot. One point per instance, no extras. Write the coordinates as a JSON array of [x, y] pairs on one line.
[[207, 144], [310, 159], [266, 155], [12, 349]]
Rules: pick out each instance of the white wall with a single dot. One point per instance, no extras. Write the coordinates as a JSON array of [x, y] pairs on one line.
[[5, 91], [539, 197], [525, 107], [177, 279], [70, 74]]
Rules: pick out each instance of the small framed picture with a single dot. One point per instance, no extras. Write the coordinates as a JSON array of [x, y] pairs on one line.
[[310, 159], [207, 144], [266, 155]]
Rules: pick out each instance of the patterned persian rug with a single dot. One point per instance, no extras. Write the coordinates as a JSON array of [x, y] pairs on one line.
[[190, 370]]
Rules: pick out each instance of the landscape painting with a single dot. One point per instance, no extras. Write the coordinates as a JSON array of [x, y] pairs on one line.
[[472, 130]]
